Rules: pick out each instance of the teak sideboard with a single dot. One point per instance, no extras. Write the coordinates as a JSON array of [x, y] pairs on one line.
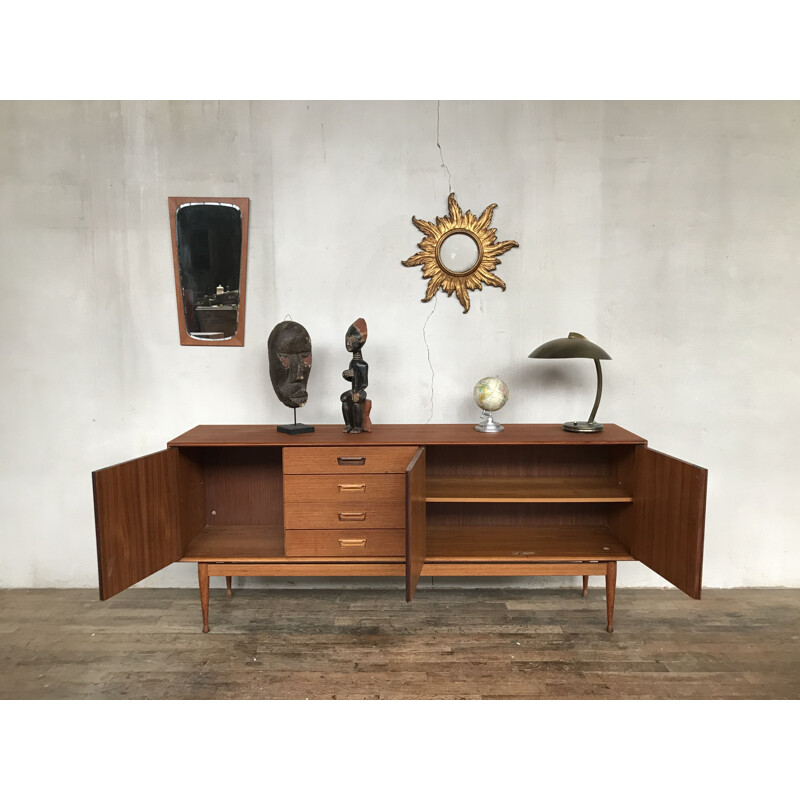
[[403, 500]]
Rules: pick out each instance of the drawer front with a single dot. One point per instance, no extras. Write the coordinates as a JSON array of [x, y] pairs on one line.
[[345, 515], [361, 544], [363, 489], [345, 460]]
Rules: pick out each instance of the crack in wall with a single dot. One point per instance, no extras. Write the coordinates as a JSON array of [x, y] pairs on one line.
[[441, 152], [436, 298], [428, 348]]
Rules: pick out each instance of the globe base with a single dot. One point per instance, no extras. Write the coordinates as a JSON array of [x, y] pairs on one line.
[[583, 427], [487, 424]]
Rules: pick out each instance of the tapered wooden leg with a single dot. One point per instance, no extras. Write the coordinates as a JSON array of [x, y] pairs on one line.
[[202, 577], [585, 586], [611, 587], [228, 584]]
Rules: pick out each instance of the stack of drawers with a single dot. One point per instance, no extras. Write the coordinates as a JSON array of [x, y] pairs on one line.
[[345, 501]]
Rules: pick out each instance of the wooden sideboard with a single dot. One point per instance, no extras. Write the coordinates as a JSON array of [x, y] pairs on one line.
[[403, 500]]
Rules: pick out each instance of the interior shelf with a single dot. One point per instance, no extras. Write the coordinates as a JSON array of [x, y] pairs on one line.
[[525, 490], [230, 542], [522, 543]]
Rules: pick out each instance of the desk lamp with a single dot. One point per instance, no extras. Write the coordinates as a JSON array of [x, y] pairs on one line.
[[577, 346]]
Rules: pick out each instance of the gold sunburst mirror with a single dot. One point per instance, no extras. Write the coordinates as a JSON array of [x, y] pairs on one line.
[[459, 252]]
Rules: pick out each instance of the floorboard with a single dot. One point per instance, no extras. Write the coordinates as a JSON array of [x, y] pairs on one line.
[[357, 644]]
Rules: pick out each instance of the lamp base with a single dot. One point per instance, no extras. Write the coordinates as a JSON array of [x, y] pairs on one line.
[[583, 427]]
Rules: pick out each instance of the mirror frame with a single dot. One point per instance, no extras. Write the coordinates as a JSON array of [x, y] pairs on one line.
[[437, 273], [243, 204], [459, 232]]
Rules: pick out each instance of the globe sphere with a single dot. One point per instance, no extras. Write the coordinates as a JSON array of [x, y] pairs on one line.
[[490, 394]]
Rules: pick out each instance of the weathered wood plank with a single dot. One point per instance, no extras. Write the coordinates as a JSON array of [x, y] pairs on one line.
[[449, 643]]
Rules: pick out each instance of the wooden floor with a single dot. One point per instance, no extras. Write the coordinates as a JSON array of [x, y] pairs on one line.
[[147, 643]]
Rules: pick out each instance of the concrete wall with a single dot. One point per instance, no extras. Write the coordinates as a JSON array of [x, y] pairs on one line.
[[666, 232]]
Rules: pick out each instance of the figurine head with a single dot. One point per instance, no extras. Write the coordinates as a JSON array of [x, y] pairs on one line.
[[356, 336], [289, 350]]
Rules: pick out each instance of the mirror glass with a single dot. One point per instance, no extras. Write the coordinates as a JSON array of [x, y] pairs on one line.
[[210, 254], [459, 252]]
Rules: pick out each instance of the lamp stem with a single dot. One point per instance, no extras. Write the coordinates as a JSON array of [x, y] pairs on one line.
[[599, 390]]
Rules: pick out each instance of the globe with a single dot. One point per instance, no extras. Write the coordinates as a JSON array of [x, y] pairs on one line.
[[490, 394]]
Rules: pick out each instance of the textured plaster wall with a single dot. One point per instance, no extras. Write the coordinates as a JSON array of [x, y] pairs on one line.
[[667, 232]]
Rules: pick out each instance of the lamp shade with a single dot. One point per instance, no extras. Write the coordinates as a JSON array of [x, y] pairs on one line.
[[572, 346]]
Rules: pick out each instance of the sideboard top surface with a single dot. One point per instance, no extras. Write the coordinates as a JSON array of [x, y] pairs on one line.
[[391, 434]]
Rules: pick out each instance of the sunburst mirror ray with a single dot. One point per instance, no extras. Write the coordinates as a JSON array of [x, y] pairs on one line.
[[459, 252]]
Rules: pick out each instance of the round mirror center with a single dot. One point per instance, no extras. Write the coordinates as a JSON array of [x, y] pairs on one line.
[[459, 252]]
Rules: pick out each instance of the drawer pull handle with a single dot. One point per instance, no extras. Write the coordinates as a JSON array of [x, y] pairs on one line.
[[352, 542], [345, 516], [352, 461], [352, 487]]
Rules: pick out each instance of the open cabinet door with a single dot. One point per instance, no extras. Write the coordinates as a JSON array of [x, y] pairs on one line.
[[416, 529], [670, 518], [136, 520]]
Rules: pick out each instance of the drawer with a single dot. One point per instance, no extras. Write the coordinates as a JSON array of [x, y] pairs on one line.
[[364, 488], [345, 515], [346, 460], [368, 542]]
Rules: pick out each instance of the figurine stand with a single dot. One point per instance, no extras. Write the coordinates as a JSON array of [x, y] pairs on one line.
[[295, 427]]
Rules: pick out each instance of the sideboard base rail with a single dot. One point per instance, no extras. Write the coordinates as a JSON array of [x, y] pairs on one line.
[[607, 568]]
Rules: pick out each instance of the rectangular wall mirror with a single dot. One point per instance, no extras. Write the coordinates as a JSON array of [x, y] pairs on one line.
[[209, 249]]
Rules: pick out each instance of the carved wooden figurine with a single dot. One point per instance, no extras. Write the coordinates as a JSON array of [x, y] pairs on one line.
[[355, 406]]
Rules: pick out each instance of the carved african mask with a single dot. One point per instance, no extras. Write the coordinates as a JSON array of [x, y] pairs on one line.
[[289, 350]]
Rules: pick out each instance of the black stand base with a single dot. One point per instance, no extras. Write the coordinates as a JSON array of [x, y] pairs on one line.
[[296, 427]]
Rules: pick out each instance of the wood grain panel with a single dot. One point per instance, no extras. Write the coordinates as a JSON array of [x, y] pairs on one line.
[[622, 518], [243, 486], [346, 461], [508, 568], [520, 544], [416, 532], [325, 543], [416, 435], [136, 520], [670, 518], [336, 488], [236, 543], [191, 495], [522, 460], [502, 489], [341, 568], [530, 514]]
